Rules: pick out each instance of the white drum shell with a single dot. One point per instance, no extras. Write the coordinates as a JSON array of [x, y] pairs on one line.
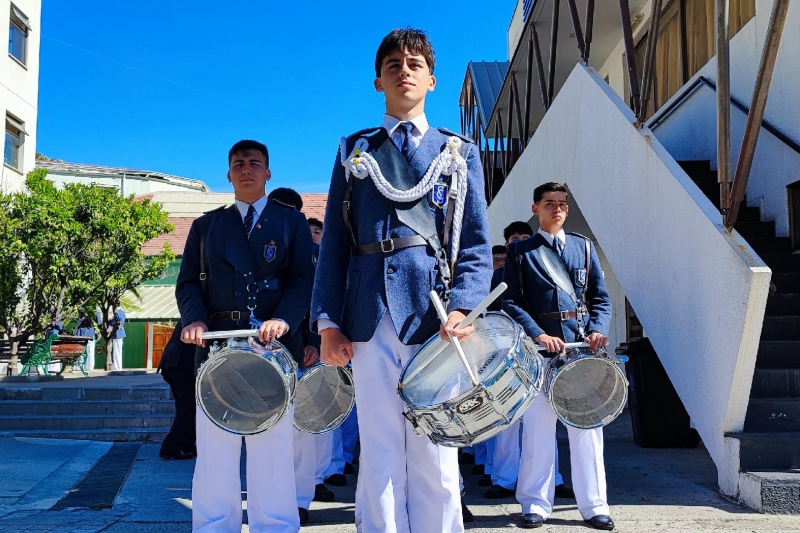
[[302, 395]]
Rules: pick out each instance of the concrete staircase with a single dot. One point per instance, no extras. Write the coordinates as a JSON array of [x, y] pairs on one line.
[[107, 413], [770, 443]]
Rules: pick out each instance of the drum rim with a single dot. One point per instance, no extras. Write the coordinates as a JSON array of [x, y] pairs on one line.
[[287, 385], [519, 334], [310, 372], [607, 360]]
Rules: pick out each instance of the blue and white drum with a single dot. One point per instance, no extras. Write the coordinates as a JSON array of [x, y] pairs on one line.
[[442, 401]]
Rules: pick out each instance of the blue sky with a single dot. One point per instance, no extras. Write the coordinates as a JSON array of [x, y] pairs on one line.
[[171, 85]]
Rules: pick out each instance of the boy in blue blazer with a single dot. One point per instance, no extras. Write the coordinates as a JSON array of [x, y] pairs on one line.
[[550, 316], [406, 214]]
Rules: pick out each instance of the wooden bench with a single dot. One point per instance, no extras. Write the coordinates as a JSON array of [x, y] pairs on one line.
[[69, 350], [5, 352]]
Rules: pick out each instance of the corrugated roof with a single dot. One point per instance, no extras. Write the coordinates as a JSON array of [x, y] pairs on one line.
[[487, 79], [98, 170], [157, 302]]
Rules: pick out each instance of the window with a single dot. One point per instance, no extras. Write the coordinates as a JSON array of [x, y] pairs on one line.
[[18, 29], [12, 148]]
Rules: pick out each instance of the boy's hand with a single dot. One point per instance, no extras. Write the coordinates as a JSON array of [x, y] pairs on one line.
[[193, 333], [271, 330], [336, 349], [551, 344], [596, 340], [310, 356], [453, 319]]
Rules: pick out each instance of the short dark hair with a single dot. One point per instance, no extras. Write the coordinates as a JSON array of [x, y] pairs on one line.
[[519, 227], [247, 145], [315, 222], [414, 41], [286, 196], [552, 186], [498, 249]]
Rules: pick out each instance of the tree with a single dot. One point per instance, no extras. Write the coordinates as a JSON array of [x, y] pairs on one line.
[[64, 250]]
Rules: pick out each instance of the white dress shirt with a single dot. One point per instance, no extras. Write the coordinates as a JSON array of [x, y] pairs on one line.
[[390, 124], [561, 236]]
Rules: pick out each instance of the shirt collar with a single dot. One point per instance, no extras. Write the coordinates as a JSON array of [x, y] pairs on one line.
[[258, 204], [549, 237], [420, 123]]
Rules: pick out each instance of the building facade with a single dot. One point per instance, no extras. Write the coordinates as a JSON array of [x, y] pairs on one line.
[[19, 90]]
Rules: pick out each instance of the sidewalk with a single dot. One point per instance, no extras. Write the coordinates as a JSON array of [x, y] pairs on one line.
[[649, 491]]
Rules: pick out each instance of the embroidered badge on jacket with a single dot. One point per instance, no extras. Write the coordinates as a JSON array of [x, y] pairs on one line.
[[439, 194], [581, 277], [270, 251]]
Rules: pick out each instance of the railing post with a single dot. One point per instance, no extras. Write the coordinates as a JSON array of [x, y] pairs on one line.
[[759, 103], [539, 65], [551, 73], [528, 89], [576, 27], [589, 24], [518, 114], [723, 106], [630, 54], [650, 59]]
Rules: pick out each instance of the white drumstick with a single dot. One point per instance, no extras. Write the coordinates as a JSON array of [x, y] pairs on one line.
[[483, 306], [437, 304], [567, 346], [236, 333]]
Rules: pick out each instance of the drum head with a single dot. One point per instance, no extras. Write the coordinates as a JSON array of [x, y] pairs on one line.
[[323, 398], [435, 373], [241, 391], [588, 393]]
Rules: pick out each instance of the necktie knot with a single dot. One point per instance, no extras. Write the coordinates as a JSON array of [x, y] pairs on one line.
[[558, 246], [248, 220]]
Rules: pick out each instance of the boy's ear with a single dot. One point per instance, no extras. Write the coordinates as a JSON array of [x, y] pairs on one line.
[[432, 84], [269, 174], [535, 209], [378, 85], [229, 176]]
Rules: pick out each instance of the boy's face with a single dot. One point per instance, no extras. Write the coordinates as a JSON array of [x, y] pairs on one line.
[[552, 211], [405, 79], [517, 237], [316, 234], [248, 172], [498, 261]]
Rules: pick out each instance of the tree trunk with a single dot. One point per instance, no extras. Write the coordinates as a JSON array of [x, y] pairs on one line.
[[109, 357], [13, 364]]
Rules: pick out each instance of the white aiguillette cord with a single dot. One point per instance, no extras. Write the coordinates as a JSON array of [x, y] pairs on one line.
[[437, 304]]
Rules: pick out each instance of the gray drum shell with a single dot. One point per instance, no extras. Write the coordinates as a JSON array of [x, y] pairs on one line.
[[574, 358], [340, 418], [276, 356], [499, 400]]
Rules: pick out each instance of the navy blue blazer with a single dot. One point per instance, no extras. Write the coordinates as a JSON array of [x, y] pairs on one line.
[[355, 292], [542, 295], [279, 249], [497, 278]]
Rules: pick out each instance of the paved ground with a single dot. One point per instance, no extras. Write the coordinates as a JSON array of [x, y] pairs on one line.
[[649, 491]]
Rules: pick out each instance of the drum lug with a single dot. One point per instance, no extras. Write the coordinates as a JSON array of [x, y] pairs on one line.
[[415, 423]]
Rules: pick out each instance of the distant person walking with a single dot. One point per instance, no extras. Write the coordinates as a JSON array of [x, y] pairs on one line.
[[119, 336], [86, 329]]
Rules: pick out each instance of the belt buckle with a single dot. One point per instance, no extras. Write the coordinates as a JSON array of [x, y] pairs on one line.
[[386, 250], [564, 315], [236, 315]]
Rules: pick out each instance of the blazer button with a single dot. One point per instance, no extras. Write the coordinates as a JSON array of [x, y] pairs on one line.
[[390, 270], [238, 293], [238, 322]]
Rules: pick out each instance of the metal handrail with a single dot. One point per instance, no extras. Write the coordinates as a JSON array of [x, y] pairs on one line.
[[656, 120]]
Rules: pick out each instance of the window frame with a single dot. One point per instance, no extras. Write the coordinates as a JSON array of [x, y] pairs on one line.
[[13, 124], [19, 22]]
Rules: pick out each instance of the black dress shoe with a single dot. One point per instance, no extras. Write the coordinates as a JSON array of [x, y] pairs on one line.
[[303, 515], [177, 456], [531, 521], [466, 458], [348, 468], [497, 493], [337, 480], [562, 491], [478, 470], [466, 514], [601, 521], [323, 494], [485, 481]]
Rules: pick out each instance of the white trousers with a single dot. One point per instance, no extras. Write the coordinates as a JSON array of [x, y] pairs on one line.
[[312, 454], [536, 485], [217, 488], [90, 348], [116, 354], [406, 484], [505, 462]]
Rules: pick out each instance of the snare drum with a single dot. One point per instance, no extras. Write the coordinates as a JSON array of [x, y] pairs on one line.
[[323, 399], [586, 390], [440, 398], [245, 387]]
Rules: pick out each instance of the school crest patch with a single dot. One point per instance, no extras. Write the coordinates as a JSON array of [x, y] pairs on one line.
[[581, 277], [270, 251], [439, 194]]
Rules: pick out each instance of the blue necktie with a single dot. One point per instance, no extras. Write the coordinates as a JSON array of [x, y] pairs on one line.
[[405, 134], [248, 220], [558, 245]]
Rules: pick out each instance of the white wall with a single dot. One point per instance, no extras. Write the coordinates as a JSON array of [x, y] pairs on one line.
[[699, 293], [19, 89], [515, 29], [133, 185]]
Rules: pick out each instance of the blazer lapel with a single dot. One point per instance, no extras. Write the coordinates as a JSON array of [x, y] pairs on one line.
[[536, 258], [236, 248], [394, 166], [429, 145]]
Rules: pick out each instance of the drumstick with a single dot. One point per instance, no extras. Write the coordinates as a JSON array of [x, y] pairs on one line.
[[485, 303], [230, 334], [437, 303], [567, 346]]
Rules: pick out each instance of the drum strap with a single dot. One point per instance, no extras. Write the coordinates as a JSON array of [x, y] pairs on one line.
[[557, 271]]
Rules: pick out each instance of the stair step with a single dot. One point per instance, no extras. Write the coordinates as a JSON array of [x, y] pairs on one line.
[[773, 414], [755, 229], [113, 435], [84, 407], [768, 451], [786, 281], [778, 354], [785, 303], [771, 245], [781, 328], [83, 423], [782, 262], [695, 166], [85, 393], [774, 491], [776, 383], [708, 188]]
